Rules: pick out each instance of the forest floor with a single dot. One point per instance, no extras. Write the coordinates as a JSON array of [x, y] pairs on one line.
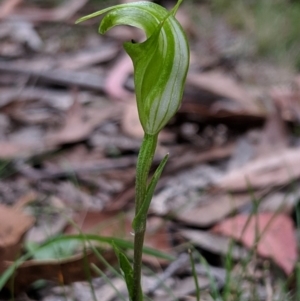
[[227, 203]]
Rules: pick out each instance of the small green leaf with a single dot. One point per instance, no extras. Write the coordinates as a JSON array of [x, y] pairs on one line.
[[127, 270], [140, 219]]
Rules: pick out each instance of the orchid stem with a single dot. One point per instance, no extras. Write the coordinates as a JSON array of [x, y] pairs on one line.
[[144, 163]]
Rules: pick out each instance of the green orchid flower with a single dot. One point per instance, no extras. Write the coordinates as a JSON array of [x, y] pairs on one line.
[[160, 63]]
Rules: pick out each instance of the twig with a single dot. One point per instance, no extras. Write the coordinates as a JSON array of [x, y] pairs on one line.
[[61, 13], [68, 78], [181, 261], [36, 174]]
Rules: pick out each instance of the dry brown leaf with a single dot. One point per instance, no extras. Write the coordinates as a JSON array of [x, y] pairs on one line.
[[187, 286], [101, 223], [122, 199], [108, 291], [24, 200], [114, 85], [74, 157], [279, 201], [157, 236], [75, 128], [287, 98], [7, 7], [80, 124], [61, 13], [69, 78], [118, 225], [225, 87], [214, 243], [58, 99], [29, 113], [225, 115], [274, 135], [62, 271], [65, 271], [13, 225], [274, 235], [89, 57], [130, 122], [9, 150], [215, 207], [190, 158], [265, 172], [51, 224]]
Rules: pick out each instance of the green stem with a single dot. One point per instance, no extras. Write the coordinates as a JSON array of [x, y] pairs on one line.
[[144, 162]]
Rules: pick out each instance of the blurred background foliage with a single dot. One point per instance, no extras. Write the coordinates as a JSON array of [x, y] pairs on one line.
[[267, 28]]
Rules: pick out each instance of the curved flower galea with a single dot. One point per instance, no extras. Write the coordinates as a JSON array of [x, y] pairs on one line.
[[160, 63]]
